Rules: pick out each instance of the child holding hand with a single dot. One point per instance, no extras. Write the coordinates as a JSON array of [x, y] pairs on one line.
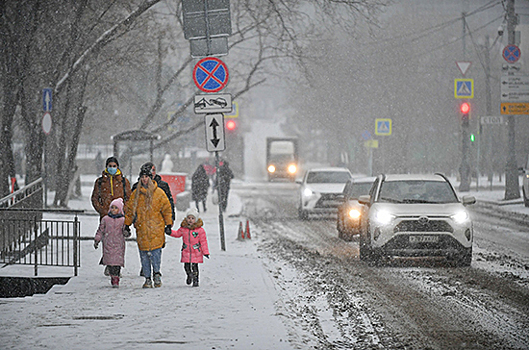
[[112, 232], [194, 244]]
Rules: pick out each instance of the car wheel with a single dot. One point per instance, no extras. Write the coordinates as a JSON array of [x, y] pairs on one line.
[[525, 198], [465, 257], [365, 247], [303, 215]]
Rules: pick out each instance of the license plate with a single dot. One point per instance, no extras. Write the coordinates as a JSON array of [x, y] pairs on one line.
[[424, 239]]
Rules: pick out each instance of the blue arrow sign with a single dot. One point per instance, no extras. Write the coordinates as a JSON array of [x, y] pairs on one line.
[[46, 99]]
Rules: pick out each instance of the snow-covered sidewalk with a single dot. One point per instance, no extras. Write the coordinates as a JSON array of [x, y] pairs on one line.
[[234, 307]]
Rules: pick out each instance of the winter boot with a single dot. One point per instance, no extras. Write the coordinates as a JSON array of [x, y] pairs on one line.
[[114, 280], [148, 283], [195, 281], [189, 279], [157, 279]]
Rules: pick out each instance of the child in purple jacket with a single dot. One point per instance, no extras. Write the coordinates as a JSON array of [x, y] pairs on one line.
[[194, 244], [112, 232]]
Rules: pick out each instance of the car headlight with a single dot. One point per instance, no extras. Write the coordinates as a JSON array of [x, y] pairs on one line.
[[354, 214], [461, 217], [292, 168], [271, 169], [307, 192], [383, 217]]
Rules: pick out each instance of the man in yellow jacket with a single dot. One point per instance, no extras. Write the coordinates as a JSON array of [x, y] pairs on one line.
[[150, 211]]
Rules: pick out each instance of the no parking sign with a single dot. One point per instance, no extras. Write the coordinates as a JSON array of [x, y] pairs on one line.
[[210, 74]]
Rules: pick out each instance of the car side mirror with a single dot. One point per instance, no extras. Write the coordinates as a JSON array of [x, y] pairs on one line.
[[364, 199], [468, 200], [298, 182]]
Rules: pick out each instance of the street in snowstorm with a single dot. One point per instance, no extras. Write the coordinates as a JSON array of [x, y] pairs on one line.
[[267, 175]]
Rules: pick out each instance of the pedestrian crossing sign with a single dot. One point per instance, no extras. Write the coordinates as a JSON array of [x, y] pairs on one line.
[[383, 127], [464, 88]]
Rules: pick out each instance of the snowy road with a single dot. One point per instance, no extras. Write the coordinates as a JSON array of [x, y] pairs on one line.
[[335, 301]]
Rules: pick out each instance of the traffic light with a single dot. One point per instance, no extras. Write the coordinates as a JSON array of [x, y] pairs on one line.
[[472, 137], [231, 125], [465, 112]]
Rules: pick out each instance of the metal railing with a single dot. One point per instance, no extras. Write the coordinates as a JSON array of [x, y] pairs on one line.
[[27, 239], [29, 196]]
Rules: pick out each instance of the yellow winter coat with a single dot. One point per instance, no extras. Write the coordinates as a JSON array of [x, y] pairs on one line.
[[150, 211]]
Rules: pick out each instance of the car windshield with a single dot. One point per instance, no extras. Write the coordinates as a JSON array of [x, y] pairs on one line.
[[327, 177], [358, 189], [415, 191]]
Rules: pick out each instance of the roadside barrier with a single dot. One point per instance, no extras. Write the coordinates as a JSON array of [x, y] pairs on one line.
[[248, 229], [241, 235]]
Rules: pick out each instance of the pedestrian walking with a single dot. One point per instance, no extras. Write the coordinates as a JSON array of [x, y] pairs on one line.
[[224, 177], [199, 187], [161, 184], [194, 244], [112, 233], [150, 212], [111, 185]]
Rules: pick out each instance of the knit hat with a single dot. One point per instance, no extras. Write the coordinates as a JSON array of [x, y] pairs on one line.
[[118, 202], [193, 212], [110, 160], [146, 170]]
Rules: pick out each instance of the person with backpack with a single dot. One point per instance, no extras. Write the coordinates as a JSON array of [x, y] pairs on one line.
[[111, 185]]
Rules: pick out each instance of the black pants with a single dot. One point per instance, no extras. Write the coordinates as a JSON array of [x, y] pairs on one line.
[[191, 269], [114, 270], [203, 205]]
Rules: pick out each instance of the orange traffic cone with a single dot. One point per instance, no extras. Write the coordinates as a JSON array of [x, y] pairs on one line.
[[240, 234], [248, 229]]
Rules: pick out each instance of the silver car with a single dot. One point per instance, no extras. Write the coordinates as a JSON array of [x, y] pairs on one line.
[[416, 215], [321, 191]]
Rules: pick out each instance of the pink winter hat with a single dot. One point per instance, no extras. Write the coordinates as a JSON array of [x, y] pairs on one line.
[[118, 202]]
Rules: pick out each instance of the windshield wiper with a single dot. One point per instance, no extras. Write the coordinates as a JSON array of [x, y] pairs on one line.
[[409, 200], [391, 200]]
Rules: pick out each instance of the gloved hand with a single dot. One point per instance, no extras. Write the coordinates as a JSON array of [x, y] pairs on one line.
[[206, 255], [96, 244], [168, 230], [126, 231]]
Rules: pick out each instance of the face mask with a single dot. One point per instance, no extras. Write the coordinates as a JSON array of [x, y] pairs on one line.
[[112, 171]]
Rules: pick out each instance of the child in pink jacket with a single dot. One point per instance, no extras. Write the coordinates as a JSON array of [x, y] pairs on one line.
[[112, 232], [194, 244]]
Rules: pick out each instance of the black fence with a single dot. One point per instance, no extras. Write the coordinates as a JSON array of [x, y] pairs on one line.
[[27, 239]]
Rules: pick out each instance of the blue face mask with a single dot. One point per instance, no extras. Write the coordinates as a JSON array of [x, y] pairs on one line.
[[112, 171]]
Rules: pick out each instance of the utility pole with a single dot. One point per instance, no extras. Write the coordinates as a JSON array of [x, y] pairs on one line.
[[512, 186], [464, 168]]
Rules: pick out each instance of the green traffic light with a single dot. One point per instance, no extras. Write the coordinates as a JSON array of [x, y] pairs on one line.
[[472, 137]]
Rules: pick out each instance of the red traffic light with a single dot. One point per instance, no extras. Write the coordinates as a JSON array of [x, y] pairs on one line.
[[465, 107], [231, 125]]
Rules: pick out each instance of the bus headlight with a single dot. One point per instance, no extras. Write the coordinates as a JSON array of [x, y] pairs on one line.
[[292, 168], [271, 169]]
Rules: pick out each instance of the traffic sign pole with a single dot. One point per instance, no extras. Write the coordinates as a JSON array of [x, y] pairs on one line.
[[221, 217]]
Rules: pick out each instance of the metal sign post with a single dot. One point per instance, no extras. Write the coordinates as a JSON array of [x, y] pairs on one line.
[[214, 143]]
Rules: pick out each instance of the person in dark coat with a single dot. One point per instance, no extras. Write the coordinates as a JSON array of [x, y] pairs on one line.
[[199, 187], [224, 177]]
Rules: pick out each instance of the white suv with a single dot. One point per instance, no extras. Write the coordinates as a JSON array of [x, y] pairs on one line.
[[415, 215]]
